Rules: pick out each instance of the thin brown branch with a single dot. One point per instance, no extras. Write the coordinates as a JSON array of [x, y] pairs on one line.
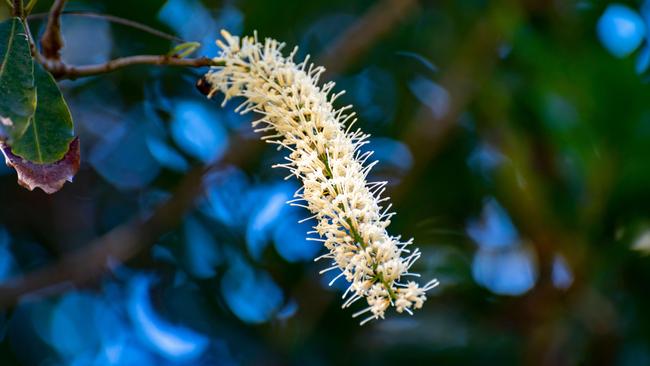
[[61, 70], [17, 9], [120, 244], [113, 19], [51, 41], [116, 246]]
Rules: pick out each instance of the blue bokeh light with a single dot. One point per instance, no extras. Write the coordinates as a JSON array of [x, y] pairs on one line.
[[501, 264], [71, 317], [509, 271], [289, 238], [8, 265], [272, 218], [432, 95], [204, 27], [288, 310], [561, 274], [201, 251], [621, 30], [227, 192], [264, 218], [495, 229], [643, 60], [166, 155], [173, 342], [4, 169], [250, 294], [81, 49], [122, 156], [198, 131], [484, 159], [86, 329], [393, 156], [261, 212]]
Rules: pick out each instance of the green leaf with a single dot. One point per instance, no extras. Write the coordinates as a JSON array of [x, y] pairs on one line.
[[50, 130], [36, 131], [17, 91], [184, 49]]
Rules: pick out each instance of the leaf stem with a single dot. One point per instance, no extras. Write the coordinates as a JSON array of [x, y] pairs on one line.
[[51, 41], [17, 9], [61, 70]]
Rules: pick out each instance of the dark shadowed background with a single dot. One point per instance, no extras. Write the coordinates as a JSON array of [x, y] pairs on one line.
[[515, 136]]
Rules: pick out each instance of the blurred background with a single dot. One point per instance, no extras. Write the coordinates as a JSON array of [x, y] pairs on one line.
[[515, 136]]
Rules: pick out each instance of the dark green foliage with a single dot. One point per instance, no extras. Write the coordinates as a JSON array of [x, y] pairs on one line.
[[17, 91], [49, 132]]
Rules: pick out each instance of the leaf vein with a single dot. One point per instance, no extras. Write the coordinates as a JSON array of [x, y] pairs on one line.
[[9, 46]]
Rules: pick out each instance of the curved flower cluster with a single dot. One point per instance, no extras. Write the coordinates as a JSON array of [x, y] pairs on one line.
[[325, 155]]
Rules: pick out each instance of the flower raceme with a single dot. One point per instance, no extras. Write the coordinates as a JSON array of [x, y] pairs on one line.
[[298, 114]]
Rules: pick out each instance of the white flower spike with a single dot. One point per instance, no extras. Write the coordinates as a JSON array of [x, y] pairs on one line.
[[325, 156]]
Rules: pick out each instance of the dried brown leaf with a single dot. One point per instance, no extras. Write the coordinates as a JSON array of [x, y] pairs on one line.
[[48, 177]]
